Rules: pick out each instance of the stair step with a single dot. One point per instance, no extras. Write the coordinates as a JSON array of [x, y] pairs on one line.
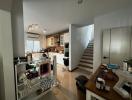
[[88, 49], [88, 54], [86, 69], [86, 61], [90, 43], [87, 57], [86, 65], [89, 46]]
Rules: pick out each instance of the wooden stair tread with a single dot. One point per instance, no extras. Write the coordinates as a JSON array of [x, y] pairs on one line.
[[89, 48], [88, 54], [86, 64], [86, 61], [87, 57], [91, 45]]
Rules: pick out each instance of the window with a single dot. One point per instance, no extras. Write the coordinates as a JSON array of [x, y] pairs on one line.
[[36, 46], [33, 45]]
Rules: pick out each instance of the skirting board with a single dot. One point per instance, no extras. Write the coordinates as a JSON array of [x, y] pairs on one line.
[[71, 70]]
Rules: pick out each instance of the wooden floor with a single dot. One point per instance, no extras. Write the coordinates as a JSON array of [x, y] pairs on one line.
[[67, 89]]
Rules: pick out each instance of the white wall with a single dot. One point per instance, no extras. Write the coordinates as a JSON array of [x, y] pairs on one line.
[[2, 90], [18, 28], [79, 39], [66, 37], [42, 41], [114, 19], [6, 5], [7, 85]]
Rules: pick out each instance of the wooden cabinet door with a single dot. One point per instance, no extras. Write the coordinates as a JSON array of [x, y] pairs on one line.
[[50, 41], [61, 40]]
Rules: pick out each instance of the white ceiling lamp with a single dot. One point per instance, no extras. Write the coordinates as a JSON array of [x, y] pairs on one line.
[[35, 28]]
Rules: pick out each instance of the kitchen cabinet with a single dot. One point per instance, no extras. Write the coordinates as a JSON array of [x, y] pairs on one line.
[[50, 41], [61, 40], [57, 39], [53, 40], [66, 37]]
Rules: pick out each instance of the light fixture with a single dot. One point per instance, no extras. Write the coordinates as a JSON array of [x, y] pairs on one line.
[[35, 28]]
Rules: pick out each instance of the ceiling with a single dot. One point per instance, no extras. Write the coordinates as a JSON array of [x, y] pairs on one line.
[[56, 15]]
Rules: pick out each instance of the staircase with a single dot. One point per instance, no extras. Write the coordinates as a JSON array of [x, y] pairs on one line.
[[86, 62]]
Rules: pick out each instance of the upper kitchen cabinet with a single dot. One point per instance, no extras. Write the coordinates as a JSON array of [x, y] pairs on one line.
[[58, 39], [50, 41], [62, 40], [116, 45], [66, 37], [53, 40]]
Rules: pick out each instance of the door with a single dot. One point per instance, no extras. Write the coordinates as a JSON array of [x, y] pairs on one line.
[[120, 44], [106, 47]]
